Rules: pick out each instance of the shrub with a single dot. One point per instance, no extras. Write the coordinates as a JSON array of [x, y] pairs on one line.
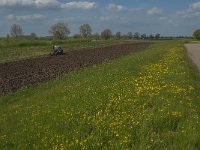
[[196, 34]]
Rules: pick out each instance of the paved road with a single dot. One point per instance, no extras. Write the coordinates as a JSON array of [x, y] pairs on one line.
[[194, 53]]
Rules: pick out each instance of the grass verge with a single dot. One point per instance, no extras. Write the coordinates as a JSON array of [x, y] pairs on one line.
[[149, 100]]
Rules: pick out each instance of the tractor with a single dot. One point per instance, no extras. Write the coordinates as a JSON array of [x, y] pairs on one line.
[[56, 50]]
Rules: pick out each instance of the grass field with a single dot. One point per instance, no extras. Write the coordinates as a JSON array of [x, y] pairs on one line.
[[149, 100], [13, 49]]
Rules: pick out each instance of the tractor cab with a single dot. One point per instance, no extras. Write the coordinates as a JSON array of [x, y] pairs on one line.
[[56, 50]]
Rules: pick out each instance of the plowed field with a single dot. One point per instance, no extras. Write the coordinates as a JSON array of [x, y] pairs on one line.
[[17, 74]]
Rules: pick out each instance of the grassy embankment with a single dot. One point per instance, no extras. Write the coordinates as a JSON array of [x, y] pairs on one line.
[[13, 49], [148, 100]]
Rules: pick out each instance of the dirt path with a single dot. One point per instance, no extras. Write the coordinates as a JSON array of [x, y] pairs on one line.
[[17, 74], [194, 53]]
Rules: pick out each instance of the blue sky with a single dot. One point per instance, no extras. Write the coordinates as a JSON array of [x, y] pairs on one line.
[[167, 17]]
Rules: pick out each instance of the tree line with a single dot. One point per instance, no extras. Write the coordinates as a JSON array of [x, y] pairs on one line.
[[61, 31]]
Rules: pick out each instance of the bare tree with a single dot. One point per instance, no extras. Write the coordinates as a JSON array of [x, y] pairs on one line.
[[151, 36], [143, 36], [136, 35], [157, 36], [33, 36], [96, 36], [16, 30], [106, 34], [59, 30], [85, 30], [130, 35], [118, 35], [7, 36]]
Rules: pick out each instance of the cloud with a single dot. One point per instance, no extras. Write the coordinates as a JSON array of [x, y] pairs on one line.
[[79, 5], [48, 4], [105, 18], [195, 5], [166, 19], [29, 3], [188, 14], [26, 18], [163, 18], [114, 7], [192, 12], [154, 11]]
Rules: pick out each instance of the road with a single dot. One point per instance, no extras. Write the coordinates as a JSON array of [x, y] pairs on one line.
[[194, 53]]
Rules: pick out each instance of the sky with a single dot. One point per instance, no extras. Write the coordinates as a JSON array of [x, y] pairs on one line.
[[166, 17]]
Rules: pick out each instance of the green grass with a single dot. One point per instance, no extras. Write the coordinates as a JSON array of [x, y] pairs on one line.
[[149, 100], [14, 49]]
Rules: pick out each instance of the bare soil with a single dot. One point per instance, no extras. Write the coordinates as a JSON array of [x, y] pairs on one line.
[[17, 74]]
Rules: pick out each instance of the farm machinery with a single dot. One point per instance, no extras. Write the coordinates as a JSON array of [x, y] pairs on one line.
[[56, 50]]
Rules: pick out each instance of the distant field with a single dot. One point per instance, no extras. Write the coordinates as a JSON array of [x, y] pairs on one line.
[[13, 49], [148, 100]]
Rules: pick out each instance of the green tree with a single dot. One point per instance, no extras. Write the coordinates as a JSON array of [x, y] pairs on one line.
[[196, 34]]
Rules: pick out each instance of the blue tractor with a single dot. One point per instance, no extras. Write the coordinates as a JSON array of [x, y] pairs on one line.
[[56, 50]]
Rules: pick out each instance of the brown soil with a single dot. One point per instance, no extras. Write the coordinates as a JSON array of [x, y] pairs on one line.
[[17, 74]]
